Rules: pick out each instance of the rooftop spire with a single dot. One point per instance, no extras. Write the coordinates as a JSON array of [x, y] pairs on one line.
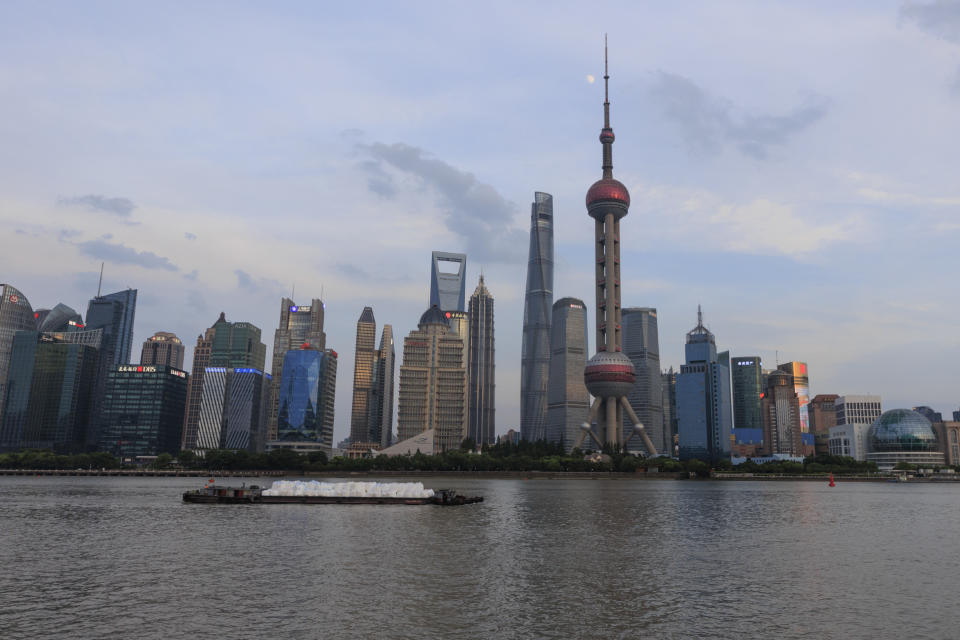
[[606, 134]]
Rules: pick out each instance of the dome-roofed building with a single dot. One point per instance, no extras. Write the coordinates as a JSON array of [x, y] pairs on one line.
[[902, 435], [434, 315]]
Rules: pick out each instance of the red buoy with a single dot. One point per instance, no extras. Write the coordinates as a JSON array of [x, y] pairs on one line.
[[832, 483]]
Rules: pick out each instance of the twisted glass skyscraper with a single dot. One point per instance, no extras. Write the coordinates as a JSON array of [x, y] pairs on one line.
[[537, 315]]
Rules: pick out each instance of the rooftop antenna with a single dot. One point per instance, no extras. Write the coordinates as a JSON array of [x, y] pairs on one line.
[[293, 291], [100, 282], [321, 292], [776, 357]]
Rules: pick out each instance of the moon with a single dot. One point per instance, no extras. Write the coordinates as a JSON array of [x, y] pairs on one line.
[[590, 79]]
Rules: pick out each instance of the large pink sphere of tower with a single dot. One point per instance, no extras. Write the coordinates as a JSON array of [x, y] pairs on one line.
[[609, 374]]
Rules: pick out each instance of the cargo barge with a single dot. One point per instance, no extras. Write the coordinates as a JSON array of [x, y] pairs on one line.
[[254, 495]]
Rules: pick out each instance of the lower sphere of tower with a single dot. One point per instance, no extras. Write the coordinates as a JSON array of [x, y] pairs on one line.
[[609, 375]]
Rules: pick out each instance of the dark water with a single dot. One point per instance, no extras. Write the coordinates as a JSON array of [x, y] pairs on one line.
[[125, 558]]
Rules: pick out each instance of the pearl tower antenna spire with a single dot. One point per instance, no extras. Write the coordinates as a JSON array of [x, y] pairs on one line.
[[609, 375]]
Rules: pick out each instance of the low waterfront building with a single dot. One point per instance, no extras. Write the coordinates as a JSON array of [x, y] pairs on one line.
[[851, 440], [902, 435], [143, 410], [948, 434]]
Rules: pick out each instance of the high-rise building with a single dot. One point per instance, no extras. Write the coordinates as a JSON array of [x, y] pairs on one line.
[[432, 382], [363, 370], [537, 309], [143, 410], [822, 412], [956, 416], [224, 345], [801, 384], [668, 381], [929, 413], [381, 408], [857, 409], [781, 416], [747, 378], [642, 345], [233, 411], [481, 385], [299, 325], [609, 374], [60, 318], [114, 313], [16, 314], [305, 420], [164, 348], [448, 280], [49, 392], [568, 402], [704, 408]]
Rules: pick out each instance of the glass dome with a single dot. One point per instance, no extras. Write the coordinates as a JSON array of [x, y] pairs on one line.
[[902, 430]]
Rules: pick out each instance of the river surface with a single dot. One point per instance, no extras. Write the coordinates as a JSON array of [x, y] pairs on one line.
[[565, 558]]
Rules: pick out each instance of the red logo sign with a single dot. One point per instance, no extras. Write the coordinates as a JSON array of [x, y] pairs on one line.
[[14, 299]]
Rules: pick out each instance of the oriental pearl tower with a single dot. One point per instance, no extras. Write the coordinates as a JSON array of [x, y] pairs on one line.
[[609, 375]]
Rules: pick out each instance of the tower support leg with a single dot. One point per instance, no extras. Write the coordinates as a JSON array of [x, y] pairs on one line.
[[638, 428]]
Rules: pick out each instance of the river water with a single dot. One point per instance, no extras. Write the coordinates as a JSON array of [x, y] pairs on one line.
[[564, 558]]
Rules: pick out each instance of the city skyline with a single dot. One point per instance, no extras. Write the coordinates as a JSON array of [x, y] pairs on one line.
[[176, 202]]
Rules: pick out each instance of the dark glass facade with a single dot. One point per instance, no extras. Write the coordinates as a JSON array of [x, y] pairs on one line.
[[299, 325], [16, 314], [481, 385], [537, 319], [114, 314], [143, 410], [49, 395], [568, 400], [641, 344], [747, 374], [307, 397]]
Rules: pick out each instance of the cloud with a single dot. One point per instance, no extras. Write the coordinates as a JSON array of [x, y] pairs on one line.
[[472, 209], [940, 18], [244, 281], [709, 123], [189, 236], [122, 207], [121, 254], [191, 276], [378, 180], [260, 285], [66, 234]]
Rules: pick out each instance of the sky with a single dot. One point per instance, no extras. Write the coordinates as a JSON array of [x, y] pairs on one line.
[[792, 168]]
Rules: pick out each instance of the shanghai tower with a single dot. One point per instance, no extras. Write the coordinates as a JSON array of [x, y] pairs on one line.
[[610, 374], [537, 310]]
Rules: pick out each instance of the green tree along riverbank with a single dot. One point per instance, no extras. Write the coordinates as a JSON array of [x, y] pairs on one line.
[[525, 456]]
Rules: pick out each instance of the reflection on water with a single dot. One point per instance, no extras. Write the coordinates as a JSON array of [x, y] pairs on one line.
[[123, 557]]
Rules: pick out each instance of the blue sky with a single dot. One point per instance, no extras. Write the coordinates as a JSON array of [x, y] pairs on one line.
[[792, 168]]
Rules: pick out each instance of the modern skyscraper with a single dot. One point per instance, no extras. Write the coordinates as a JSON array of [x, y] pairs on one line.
[[114, 313], [747, 375], [448, 272], [704, 411], [165, 348], [16, 314], [49, 392], [858, 409], [481, 405], [233, 412], [224, 345], [642, 345], [363, 369], [929, 413], [801, 384], [299, 325], [381, 409], [568, 402], [822, 412], [143, 410], [537, 309], [60, 318], [305, 420], [668, 380], [432, 382], [781, 416], [609, 374]]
